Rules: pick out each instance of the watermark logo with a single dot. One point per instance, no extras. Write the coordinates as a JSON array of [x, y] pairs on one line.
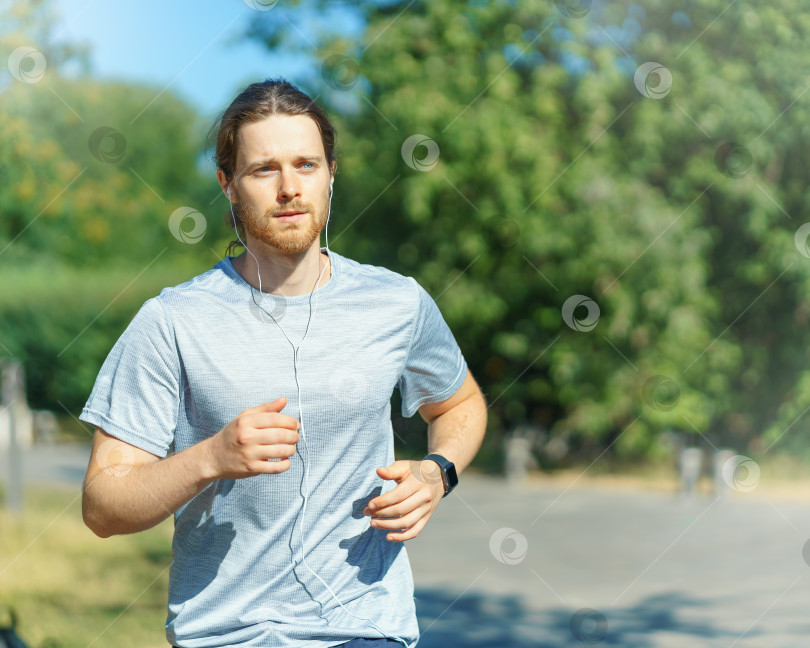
[[107, 144], [27, 64], [508, 546], [115, 457], [733, 159], [806, 553], [653, 80], [800, 240], [573, 8], [431, 158], [340, 71], [506, 231], [741, 473], [179, 221], [261, 5], [349, 385], [586, 323], [428, 471], [589, 626], [266, 307], [661, 393]]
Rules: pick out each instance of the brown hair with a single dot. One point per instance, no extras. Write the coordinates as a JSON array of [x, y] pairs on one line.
[[254, 103]]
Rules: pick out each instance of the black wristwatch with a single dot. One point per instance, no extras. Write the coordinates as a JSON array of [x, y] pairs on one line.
[[449, 476]]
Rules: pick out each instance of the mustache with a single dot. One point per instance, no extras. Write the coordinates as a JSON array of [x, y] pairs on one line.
[[290, 208]]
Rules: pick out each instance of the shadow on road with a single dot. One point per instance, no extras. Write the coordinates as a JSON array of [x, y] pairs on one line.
[[479, 620]]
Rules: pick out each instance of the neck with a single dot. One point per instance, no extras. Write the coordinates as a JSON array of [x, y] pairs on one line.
[[286, 275]]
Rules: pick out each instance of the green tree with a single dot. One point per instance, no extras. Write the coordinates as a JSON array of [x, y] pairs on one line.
[[649, 158], [91, 174]]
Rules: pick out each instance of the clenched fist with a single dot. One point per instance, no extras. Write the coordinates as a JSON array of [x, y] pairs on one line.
[[242, 448]]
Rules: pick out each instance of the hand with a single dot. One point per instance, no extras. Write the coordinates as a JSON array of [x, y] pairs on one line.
[[411, 502], [242, 448]]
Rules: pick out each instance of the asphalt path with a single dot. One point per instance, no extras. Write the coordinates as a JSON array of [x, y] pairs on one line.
[[547, 567]]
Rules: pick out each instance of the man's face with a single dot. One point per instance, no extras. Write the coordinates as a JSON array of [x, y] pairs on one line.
[[281, 166]]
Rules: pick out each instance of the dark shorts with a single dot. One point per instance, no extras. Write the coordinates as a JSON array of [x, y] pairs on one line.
[[366, 643], [370, 643]]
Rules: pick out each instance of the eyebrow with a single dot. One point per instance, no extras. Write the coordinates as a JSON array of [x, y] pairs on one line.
[[299, 158]]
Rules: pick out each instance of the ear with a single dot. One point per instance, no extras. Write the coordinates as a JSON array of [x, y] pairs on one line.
[[223, 181]]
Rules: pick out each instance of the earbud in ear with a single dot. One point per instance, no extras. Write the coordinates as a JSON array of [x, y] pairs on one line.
[[229, 192]]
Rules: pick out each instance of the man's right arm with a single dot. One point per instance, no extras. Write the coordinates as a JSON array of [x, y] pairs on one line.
[[127, 489]]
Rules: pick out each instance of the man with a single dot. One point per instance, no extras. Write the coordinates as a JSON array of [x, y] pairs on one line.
[[277, 542]]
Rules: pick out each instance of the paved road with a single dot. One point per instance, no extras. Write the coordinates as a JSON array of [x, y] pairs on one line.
[[53, 464], [656, 571], [506, 567]]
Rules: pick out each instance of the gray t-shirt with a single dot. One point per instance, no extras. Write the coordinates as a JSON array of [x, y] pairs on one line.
[[201, 352]]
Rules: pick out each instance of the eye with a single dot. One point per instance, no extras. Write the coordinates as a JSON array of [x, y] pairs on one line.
[[309, 163]]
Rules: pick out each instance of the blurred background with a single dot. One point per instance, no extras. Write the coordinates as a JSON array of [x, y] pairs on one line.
[[607, 200]]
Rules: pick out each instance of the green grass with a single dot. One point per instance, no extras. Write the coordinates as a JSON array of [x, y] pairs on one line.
[[69, 585]]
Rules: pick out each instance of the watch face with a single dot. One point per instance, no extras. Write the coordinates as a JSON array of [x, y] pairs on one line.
[[452, 477]]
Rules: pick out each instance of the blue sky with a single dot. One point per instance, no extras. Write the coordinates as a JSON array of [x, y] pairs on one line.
[[193, 46], [197, 48]]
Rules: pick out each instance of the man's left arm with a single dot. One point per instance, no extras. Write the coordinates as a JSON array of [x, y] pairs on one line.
[[456, 428]]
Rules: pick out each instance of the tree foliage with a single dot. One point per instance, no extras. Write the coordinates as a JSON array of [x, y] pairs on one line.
[[558, 175], [604, 199], [90, 174]]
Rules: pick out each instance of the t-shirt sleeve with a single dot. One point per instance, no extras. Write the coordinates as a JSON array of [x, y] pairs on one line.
[[136, 395], [435, 367]]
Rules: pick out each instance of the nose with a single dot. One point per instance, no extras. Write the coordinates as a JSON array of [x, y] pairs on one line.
[[289, 187]]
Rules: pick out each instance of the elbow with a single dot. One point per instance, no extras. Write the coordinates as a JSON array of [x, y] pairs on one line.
[[97, 528], [93, 520], [95, 525], [100, 532]]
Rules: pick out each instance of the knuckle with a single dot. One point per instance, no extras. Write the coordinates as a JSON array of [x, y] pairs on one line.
[[280, 466], [282, 451]]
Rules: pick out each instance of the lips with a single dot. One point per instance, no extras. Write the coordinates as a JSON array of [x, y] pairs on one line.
[[289, 213]]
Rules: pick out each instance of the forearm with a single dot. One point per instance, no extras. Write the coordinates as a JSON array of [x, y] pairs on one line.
[[131, 498], [458, 433]]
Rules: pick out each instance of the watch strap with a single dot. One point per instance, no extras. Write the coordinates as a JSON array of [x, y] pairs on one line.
[[449, 475]]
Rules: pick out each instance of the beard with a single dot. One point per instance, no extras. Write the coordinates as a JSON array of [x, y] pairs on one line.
[[289, 238]]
